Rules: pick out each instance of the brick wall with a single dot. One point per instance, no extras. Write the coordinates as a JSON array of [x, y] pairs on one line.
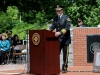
[[80, 44]]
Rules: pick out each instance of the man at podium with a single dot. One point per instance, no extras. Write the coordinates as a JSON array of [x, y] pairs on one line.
[[62, 25]]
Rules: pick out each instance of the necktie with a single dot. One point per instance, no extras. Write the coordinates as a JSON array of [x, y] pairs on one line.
[[58, 18]]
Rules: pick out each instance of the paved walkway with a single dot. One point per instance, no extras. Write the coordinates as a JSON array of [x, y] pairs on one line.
[[20, 69]]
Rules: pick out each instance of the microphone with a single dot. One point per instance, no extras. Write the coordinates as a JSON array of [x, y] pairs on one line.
[[50, 21]]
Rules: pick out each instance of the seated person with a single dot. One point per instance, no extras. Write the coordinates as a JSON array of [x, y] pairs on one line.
[[0, 52], [80, 23], [4, 48], [10, 39], [16, 41], [0, 36]]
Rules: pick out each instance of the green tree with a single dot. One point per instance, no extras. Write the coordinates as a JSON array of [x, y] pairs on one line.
[[5, 22], [8, 19], [12, 12], [39, 23], [88, 9]]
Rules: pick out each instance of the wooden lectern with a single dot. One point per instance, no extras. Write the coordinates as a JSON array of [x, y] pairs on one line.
[[44, 52]]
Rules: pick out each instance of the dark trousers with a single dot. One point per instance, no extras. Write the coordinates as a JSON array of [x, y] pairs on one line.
[[65, 49], [2, 56], [11, 53]]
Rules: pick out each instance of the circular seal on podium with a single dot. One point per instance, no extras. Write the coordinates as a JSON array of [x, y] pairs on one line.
[[36, 39]]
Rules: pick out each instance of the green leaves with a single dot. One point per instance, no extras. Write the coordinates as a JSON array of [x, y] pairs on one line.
[[38, 24], [88, 10], [34, 13], [5, 22], [12, 12]]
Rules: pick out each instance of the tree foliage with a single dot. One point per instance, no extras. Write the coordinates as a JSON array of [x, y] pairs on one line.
[[8, 19], [20, 15], [88, 10], [22, 27], [5, 22]]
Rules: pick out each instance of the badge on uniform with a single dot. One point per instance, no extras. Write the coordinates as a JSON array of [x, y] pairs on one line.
[[62, 21], [68, 19]]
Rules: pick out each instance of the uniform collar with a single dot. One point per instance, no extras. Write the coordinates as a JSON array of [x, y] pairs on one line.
[[60, 16]]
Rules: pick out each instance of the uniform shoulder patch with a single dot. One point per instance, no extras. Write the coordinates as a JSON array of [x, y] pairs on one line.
[[68, 19]]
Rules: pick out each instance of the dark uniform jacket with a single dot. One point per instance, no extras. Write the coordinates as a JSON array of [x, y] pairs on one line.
[[82, 26], [62, 25], [10, 40]]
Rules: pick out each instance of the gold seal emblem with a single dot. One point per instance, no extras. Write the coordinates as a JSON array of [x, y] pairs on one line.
[[36, 38]]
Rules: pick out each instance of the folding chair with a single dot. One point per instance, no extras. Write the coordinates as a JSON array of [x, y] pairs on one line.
[[19, 54]]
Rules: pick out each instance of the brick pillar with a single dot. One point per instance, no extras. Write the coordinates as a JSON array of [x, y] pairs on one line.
[[80, 44]]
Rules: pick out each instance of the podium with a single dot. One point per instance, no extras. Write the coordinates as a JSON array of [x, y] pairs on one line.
[[44, 52]]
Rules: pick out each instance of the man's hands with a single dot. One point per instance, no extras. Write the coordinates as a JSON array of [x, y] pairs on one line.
[[57, 34]]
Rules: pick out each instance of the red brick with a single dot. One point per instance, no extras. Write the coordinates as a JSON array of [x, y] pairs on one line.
[[80, 44]]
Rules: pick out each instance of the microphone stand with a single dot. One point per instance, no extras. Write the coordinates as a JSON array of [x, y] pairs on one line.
[[28, 52], [27, 45]]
